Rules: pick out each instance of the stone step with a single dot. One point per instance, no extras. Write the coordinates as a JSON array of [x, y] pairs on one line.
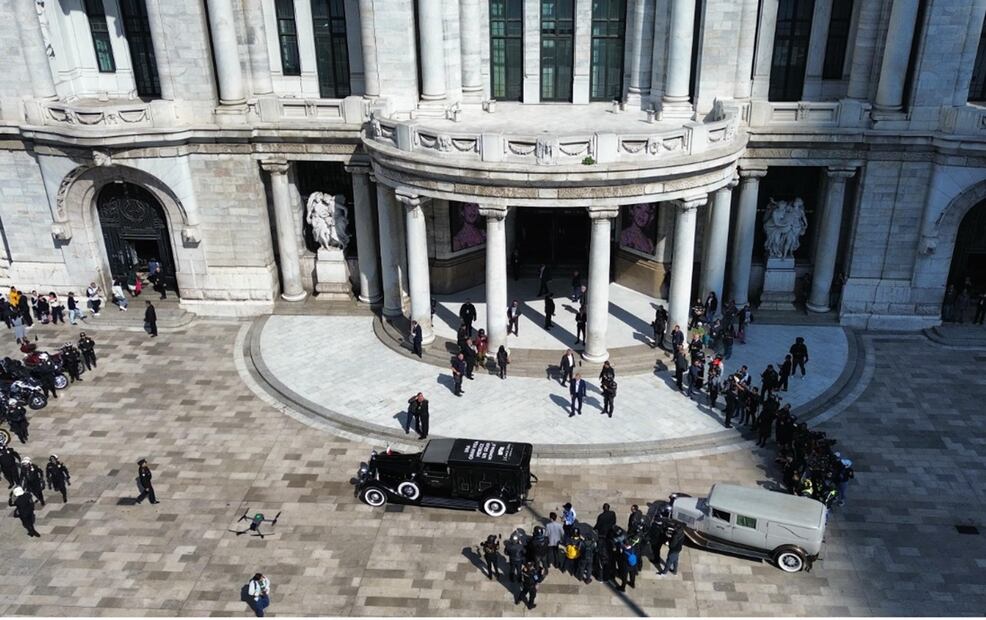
[[971, 336], [170, 315]]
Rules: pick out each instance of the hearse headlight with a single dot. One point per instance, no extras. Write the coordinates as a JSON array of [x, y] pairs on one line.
[[364, 469]]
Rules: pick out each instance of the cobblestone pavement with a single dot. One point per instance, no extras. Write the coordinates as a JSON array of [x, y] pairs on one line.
[[915, 433]]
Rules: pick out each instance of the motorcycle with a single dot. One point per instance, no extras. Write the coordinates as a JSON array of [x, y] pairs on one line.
[[26, 391], [34, 360]]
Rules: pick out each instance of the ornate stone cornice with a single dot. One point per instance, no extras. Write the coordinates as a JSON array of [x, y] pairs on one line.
[[358, 168], [605, 212], [691, 202], [410, 199], [752, 173], [275, 166], [840, 173], [495, 211]]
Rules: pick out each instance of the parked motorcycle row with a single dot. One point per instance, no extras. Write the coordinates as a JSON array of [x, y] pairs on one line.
[[24, 381]]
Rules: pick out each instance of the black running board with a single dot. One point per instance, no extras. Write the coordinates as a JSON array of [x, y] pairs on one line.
[[448, 502], [711, 544]]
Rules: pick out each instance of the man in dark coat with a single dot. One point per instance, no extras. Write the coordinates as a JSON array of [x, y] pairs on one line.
[[150, 319], [458, 371], [87, 346], [660, 325], [72, 360], [544, 275], [677, 338], [58, 476], [33, 479], [17, 419], [144, 481], [468, 314], [605, 522], [581, 319], [416, 338], [469, 357], [567, 366], [680, 367], [577, 391], [10, 465], [549, 309], [421, 417], [23, 505]]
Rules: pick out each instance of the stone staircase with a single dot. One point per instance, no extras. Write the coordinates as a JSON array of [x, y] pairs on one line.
[[170, 315], [958, 335], [635, 360]]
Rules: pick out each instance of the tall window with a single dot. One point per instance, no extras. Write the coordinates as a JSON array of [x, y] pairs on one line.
[[331, 51], [287, 37], [787, 67], [557, 37], [507, 49], [837, 40], [100, 36], [977, 89], [608, 30], [138, 34]]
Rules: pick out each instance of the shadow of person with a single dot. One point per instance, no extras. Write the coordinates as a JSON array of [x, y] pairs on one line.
[[477, 560], [562, 402], [448, 317], [246, 598], [403, 418], [447, 381]]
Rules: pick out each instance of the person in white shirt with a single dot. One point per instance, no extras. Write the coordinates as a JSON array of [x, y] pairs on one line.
[[93, 298], [118, 297], [259, 590]]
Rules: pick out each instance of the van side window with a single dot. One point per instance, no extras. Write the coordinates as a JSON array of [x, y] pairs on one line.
[[721, 515], [436, 470], [749, 522]]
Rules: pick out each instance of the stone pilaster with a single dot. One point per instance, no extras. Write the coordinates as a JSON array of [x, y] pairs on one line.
[[676, 100], [683, 262], [417, 263], [896, 55], [743, 234], [827, 244], [222, 26], [496, 275], [716, 242], [366, 236], [598, 285], [287, 239]]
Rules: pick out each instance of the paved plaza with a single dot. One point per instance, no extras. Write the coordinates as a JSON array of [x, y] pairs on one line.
[[912, 422]]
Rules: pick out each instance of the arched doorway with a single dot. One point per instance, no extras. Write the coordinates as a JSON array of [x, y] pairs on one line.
[[135, 230]]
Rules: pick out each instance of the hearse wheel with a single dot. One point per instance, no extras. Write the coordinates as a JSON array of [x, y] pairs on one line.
[[494, 506], [409, 490], [789, 559], [374, 496]]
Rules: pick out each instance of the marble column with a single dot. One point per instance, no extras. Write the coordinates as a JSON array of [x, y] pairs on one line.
[[161, 51], [743, 81], [716, 241], [827, 244], [229, 74], [391, 251], [33, 49], [257, 49], [369, 41], [765, 49], [432, 48], [597, 305], [817, 41], [896, 55], [287, 239], [472, 62], [417, 263], [682, 262], [496, 275], [366, 236], [743, 235], [676, 100], [640, 29]]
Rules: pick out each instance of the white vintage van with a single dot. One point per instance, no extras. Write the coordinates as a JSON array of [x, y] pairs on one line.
[[754, 522]]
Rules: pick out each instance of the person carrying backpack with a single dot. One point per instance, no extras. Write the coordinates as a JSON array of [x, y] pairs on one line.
[[259, 590], [530, 577], [573, 549], [627, 565]]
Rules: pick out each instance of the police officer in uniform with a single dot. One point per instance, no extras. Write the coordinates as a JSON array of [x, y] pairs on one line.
[[45, 371], [530, 576], [491, 554], [23, 505], [33, 479], [586, 559], [516, 553], [10, 465], [88, 347], [72, 360], [58, 476], [144, 477], [537, 548], [17, 419]]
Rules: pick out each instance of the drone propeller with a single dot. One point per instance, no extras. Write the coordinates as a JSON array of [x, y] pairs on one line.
[[244, 517], [276, 517]]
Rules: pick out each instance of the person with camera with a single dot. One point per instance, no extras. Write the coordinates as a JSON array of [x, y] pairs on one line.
[[491, 555], [531, 576]]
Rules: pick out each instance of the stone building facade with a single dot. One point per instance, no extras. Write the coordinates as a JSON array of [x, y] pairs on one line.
[[636, 140]]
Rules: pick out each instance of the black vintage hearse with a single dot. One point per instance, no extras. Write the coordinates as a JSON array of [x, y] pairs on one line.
[[492, 476]]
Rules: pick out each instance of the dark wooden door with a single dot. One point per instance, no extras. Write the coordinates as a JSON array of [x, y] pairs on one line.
[[135, 230]]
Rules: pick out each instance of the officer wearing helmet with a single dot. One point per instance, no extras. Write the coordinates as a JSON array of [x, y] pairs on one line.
[[516, 554], [33, 479], [24, 510], [537, 548], [88, 348], [491, 554], [17, 419], [58, 476], [10, 465]]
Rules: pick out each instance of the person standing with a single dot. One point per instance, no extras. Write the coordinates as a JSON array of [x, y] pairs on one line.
[[33, 479], [695, 372], [677, 338], [513, 318], [467, 313], [544, 275], [714, 384], [556, 535], [577, 391], [567, 366], [144, 477], [711, 305], [605, 522], [469, 356], [87, 346], [23, 505], [74, 314], [10, 465], [549, 310], [150, 319], [576, 285], [799, 355], [675, 544], [569, 518], [24, 308], [502, 359], [785, 373], [491, 555], [20, 330], [537, 548], [72, 360], [608, 386], [458, 370], [515, 264], [765, 424], [515, 552], [680, 367], [416, 338], [627, 564], [422, 417], [58, 476], [732, 395], [980, 309], [660, 324], [411, 416], [769, 380], [482, 347], [17, 419], [581, 320], [607, 371], [259, 591], [530, 576], [161, 284]]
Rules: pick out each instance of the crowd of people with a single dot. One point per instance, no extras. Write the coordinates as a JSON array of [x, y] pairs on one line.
[[959, 300], [604, 552]]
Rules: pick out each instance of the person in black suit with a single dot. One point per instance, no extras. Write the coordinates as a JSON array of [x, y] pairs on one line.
[[469, 357], [468, 314], [23, 505], [144, 479], [581, 318], [422, 421], [416, 338], [549, 309], [680, 367], [150, 319], [605, 522], [677, 338], [513, 317], [458, 370], [544, 275], [577, 391], [567, 366]]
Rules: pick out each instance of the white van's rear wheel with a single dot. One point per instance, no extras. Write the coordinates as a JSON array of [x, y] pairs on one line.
[[494, 507], [374, 496], [790, 560], [409, 491]]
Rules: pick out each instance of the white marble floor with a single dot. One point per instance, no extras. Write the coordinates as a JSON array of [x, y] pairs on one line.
[[338, 363]]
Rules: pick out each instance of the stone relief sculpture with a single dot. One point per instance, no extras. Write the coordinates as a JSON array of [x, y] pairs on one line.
[[784, 224], [329, 218]]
